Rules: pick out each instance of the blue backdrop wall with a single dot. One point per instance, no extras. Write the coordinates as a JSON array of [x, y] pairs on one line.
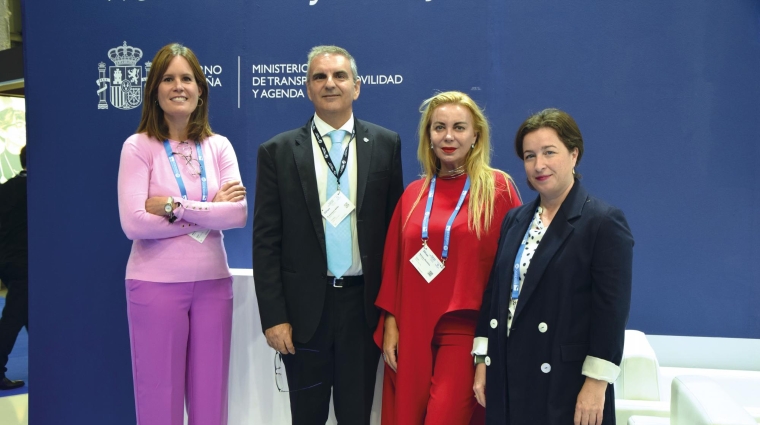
[[666, 94]]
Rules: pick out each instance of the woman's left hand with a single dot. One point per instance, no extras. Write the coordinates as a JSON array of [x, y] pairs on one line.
[[590, 405], [479, 384], [155, 205]]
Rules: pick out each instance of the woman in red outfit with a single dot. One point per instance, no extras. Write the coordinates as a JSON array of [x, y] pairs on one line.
[[433, 278]]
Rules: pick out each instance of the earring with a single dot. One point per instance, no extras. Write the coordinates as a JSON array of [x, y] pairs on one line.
[[200, 102], [473, 146], [573, 170], [431, 145]]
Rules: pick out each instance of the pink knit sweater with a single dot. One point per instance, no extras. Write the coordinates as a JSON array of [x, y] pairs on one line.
[[163, 251]]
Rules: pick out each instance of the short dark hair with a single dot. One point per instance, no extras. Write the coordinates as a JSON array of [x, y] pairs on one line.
[[561, 122], [22, 157]]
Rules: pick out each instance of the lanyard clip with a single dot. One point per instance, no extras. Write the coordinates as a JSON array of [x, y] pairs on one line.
[[424, 242]]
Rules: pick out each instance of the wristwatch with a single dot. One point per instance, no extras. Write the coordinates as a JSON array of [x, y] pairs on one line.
[[169, 209]]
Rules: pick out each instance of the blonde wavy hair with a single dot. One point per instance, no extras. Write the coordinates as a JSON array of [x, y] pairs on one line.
[[477, 163]]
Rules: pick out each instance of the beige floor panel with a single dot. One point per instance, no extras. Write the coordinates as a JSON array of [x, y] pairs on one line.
[[14, 410]]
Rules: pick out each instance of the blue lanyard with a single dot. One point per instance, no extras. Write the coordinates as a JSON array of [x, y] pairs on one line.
[[447, 231], [518, 258], [182, 190]]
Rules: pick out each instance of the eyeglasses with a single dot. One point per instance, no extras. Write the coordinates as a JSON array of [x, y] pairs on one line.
[[186, 152], [282, 382]]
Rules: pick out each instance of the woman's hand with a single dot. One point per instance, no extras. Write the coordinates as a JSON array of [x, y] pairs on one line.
[[230, 192], [155, 205], [479, 386], [590, 404], [390, 341]]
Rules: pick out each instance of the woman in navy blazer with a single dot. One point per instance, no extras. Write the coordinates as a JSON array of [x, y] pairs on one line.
[[550, 334]]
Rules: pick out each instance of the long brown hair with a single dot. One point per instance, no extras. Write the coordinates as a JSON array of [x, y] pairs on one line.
[[152, 120]]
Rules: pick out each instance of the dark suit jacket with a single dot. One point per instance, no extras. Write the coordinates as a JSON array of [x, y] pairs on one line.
[[13, 224], [289, 254], [579, 285]]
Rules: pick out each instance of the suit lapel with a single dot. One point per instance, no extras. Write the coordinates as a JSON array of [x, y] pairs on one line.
[[364, 146], [513, 240], [304, 158], [559, 230]]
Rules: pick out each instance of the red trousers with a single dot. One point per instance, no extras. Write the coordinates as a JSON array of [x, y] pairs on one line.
[[452, 400]]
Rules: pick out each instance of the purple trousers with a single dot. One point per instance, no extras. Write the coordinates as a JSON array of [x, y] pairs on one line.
[[180, 338]]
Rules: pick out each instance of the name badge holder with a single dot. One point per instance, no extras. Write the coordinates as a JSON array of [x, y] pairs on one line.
[[198, 235], [339, 206], [425, 260]]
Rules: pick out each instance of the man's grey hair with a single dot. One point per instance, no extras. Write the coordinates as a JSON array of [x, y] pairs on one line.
[[334, 50]]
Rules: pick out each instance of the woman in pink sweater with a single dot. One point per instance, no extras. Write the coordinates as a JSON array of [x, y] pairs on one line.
[[179, 187]]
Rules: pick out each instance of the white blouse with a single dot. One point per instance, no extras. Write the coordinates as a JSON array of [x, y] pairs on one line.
[[535, 234]]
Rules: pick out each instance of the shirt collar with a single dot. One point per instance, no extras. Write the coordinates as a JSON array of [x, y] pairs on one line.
[[325, 128]]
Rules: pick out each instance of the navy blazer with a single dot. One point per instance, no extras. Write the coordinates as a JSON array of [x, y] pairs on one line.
[[574, 303]]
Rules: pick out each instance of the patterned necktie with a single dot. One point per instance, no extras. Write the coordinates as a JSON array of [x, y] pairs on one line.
[[338, 239]]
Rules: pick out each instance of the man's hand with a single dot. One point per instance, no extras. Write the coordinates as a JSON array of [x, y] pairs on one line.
[[590, 405], [479, 386], [390, 341], [280, 337]]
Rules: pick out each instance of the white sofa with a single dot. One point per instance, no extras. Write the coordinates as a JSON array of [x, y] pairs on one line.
[[698, 400], [643, 387]]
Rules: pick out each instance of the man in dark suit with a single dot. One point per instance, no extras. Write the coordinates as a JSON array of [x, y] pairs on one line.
[[14, 260], [325, 194]]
